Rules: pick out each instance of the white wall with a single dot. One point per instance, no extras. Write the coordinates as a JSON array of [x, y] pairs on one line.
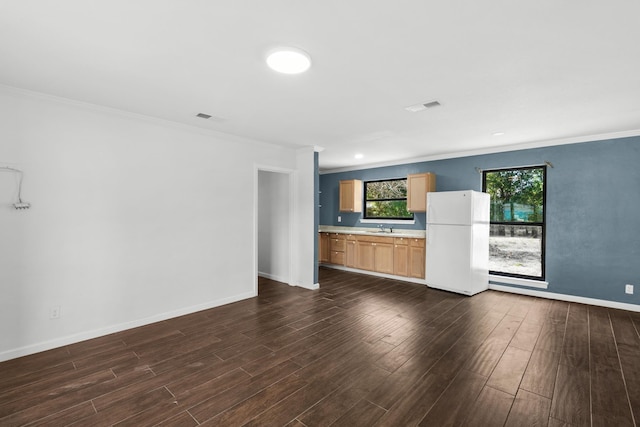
[[303, 257], [133, 220], [274, 257]]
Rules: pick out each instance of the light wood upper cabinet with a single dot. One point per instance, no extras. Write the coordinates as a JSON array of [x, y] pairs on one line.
[[418, 185], [351, 195]]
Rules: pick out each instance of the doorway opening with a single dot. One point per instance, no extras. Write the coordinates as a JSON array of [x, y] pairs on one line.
[[273, 225]]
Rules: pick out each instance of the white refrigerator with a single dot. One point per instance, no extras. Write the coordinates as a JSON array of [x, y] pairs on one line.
[[458, 241]]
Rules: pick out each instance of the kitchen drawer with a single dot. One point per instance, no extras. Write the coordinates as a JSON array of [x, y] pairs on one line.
[[416, 243], [337, 257], [338, 245], [336, 236], [375, 239], [350, 236], [401, 241]]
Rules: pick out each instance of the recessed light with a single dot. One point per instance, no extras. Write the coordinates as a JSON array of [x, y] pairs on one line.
[[498, 134], [359, 155], [289, 60]]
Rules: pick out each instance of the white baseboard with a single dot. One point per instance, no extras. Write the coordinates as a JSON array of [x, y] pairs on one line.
[[273, 277], [565, 297], [374, 273], [540, 284], [87, 335], [284, 280], [313, 287]]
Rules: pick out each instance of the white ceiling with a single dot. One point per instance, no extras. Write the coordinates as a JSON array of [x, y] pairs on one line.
[[536, 70]]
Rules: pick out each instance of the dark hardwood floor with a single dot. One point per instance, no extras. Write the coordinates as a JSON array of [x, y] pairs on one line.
[[360, 351]]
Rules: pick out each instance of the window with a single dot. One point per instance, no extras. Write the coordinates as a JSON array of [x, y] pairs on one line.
[[516, 240], [386, 199]]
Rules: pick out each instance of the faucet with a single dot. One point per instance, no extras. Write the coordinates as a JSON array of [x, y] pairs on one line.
[[381, 227]]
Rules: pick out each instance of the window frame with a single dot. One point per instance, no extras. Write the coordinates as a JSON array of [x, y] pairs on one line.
[[384, 218], [539, 224]]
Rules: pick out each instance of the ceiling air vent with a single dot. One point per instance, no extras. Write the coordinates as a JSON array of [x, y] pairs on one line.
[[203, 115], [422, 107]]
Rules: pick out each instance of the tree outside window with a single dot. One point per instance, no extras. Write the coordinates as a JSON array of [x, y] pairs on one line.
[[386, 199], [516, 243]]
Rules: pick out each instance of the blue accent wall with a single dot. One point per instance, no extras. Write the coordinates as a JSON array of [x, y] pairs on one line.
[[593, 209]]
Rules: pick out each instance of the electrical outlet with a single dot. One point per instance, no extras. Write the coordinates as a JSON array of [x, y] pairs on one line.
[[54, 313], [628, 289], [339, 219]]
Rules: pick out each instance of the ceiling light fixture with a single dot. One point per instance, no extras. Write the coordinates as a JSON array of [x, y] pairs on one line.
[[289, 60], [498, 134], [359, 155]]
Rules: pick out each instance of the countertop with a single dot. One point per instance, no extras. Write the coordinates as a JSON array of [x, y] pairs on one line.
[[419, 234]]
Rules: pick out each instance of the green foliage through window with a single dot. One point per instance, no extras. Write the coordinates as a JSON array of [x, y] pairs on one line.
[[517, 223], [386, 199], [517, 195]]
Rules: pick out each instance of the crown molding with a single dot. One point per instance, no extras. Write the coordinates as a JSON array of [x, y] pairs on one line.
[[491, 150]]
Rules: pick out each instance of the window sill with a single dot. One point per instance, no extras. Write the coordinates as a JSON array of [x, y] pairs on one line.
[[387, 221], [540, 284]]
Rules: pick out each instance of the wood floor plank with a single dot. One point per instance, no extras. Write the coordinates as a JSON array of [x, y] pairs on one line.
[[211, 405], [453, 406], [362, 414], [571, 398], [361, 350], [558, 423], [629, 355], [491, 409], [414, 404], [575, 347], [599, 322], [184, 419], [133, 405], [256, 404], [529, 409], [509, 371], [285, 411], [608, 405], [526, 336], [343, 399], [66, 416], [540, 375]]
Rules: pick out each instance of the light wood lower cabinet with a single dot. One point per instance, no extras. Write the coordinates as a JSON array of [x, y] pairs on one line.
[[350, 251], [375, 254], [383, 257], [337, 243], [417, 256], [400, 256], [364, 256], [324, 249]]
